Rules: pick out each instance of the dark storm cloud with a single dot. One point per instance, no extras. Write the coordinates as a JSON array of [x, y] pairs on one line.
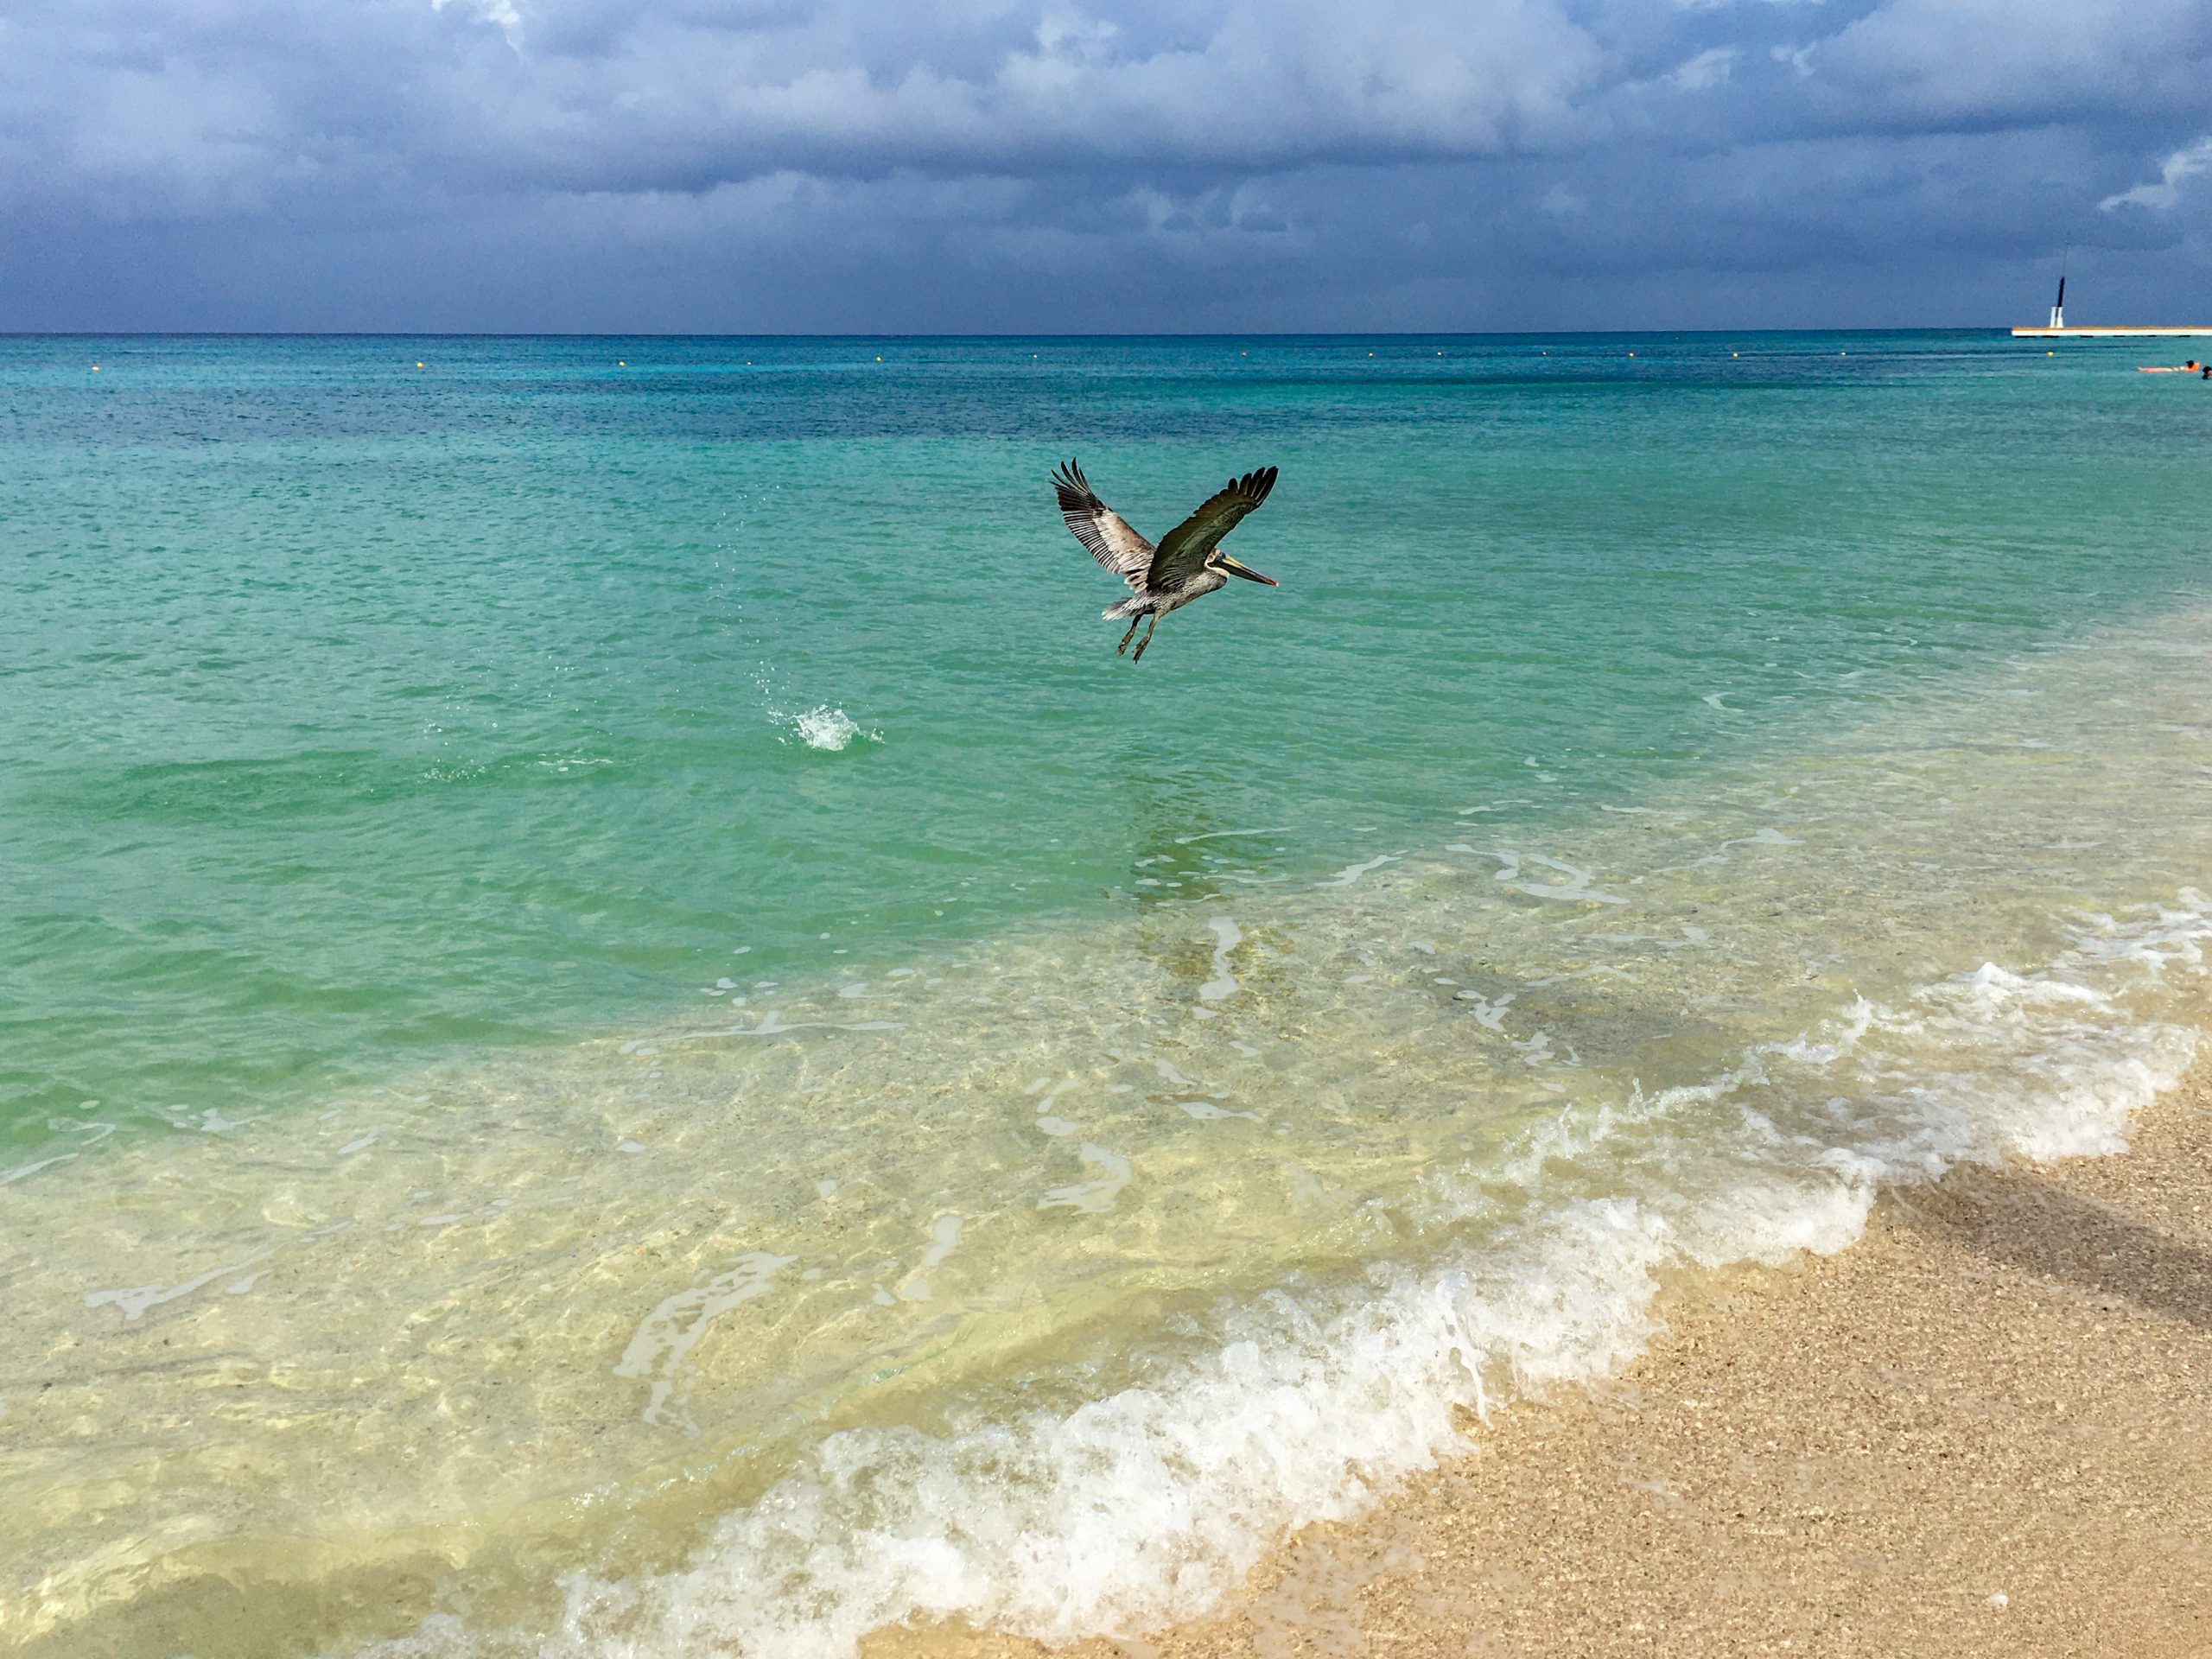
[[792, 164]]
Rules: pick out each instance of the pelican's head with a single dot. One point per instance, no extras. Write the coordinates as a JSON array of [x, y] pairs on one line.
[[1222, 562]]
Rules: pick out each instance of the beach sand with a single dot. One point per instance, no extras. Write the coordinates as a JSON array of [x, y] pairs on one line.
[[1985, 1429]]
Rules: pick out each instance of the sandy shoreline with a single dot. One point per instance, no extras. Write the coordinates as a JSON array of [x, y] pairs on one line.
[[1985, 1429]]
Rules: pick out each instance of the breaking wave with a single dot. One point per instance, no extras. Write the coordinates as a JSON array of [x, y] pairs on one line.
[[1149, 1504]]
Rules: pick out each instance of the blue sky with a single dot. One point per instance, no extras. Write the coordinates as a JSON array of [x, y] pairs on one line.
[[966, 165]]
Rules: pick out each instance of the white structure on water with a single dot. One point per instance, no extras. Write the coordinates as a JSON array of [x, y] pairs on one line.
[[2056, 329]]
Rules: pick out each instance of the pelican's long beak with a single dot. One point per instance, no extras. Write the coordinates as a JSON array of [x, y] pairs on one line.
[[1245, 571]]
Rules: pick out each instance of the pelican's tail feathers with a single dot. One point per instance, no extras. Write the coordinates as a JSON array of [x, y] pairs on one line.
[[1132, 606]]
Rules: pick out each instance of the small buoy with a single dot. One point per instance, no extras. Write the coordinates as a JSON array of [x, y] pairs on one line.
[[2051, 353], [622, 362], [418, 365], [1632, 353], [1735, 353], [1843, 353], [879, 360], [96, 368]]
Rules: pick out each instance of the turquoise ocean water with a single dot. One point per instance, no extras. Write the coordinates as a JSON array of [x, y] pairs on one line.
[[620, 1031]]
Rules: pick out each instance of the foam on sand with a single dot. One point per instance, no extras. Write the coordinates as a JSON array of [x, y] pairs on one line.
[[1150, 1503]]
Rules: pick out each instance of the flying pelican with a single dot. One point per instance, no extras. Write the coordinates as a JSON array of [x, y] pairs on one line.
[[1186, 565]]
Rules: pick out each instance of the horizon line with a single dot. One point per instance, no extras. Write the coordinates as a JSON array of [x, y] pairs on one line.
[[1315, 334]]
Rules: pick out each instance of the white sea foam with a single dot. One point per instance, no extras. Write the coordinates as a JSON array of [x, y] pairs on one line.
[[1108, 1173], [1206, 1112], [24, 1172], [671, 1331], [1150, 1503], [1576, 888], [1352, 872], [944, 1236], [135, 1300], [1227, 938]]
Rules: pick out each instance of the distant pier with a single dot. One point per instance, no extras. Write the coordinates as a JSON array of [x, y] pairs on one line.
[[2175, 331]]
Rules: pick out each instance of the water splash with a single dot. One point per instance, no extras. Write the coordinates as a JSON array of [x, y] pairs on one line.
[[825, 729]]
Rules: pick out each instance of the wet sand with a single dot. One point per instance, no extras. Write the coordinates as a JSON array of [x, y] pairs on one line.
[[1987, 1429]]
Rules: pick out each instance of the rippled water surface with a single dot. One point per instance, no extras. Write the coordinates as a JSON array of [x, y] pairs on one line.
[[621, 1033]]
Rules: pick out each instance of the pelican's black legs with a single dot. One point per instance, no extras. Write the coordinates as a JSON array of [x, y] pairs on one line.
[[1130, 635], [1147, 640]]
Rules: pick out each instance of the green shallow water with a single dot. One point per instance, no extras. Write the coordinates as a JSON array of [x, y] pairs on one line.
[[352, 712], [602, 974]]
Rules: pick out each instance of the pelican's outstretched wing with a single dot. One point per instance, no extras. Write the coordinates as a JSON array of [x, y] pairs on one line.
[[1100, 529], [1183, 551]]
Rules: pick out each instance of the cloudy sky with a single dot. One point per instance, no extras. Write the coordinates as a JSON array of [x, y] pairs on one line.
[[977, 165]]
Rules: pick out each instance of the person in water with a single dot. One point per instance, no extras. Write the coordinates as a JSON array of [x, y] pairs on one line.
[[2190, 367]]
